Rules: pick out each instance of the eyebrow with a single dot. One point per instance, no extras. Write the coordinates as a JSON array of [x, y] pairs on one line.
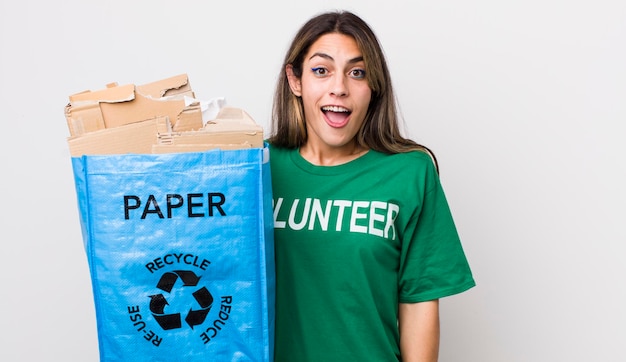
[[326, 56]]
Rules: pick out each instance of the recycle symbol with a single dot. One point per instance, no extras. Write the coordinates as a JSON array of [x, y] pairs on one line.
[[194, 317]]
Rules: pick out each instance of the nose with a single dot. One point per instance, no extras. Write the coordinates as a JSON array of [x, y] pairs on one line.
[[339, 87]]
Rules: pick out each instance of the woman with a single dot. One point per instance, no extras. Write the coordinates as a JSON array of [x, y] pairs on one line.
[[365, 242]]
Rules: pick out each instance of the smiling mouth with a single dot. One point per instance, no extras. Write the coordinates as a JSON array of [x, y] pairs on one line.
[[336, 116]]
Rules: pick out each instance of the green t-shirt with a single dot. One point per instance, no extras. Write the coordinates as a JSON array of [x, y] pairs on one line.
[[353, 241]]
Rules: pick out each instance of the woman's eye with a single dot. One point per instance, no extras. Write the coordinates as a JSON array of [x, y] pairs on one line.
[[320, 71], [357, 73]]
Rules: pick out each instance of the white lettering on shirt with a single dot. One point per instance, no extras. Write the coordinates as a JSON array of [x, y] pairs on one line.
[[317, 213], [367, 217], [305, 214]]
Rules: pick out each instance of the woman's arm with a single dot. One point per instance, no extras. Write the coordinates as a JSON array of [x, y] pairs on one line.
[[419, 331]]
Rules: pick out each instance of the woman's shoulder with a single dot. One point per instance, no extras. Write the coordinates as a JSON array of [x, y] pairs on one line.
[[410, 158], [412, 165]]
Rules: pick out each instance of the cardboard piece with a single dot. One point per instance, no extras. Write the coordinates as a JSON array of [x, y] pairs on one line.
[[116, 106], [232, 128], [157, 136], [153, 118], [136, 137]]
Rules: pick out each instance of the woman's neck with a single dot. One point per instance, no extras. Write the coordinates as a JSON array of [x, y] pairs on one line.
[[331, 156]]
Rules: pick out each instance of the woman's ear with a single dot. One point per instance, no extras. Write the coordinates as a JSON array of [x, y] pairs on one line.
[[294, 82]]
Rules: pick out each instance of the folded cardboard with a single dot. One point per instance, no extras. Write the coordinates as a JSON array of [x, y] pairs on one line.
[[159, 117], [116, 105], [233, 128], [136, 137]]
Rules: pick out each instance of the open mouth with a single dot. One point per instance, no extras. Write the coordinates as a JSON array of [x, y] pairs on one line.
[[336, 116]]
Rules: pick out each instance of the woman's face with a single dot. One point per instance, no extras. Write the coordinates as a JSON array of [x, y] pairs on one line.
[[334, 91]]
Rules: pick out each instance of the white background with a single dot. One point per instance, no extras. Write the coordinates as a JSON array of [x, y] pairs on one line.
[[524, 103]]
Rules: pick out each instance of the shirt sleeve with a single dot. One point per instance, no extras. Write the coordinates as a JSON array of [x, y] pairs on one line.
[[433, 264]]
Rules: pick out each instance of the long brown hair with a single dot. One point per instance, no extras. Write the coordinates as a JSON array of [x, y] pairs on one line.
[[380, 130]]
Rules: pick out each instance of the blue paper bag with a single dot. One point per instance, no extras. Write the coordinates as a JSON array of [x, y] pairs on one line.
[[181, 254]]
